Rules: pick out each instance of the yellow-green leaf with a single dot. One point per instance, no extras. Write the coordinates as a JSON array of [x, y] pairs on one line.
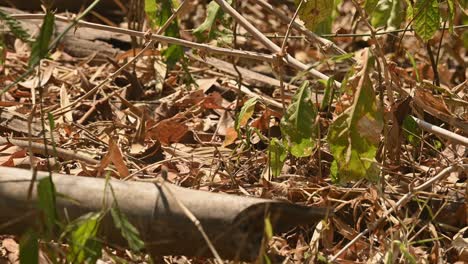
[[313, 12], [426, 18], [245, 113], [277, 155], [355, 135]]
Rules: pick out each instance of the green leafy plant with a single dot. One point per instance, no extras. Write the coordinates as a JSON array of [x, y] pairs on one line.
[[40, 47], [84, 244], [355, 135], [277, 154], [298, 125]]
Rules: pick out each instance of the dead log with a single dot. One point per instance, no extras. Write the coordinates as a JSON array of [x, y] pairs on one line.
[[79, 42], [234, 224]]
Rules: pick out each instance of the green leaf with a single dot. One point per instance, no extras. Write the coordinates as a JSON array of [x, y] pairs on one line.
[[158, 12], [426, 18], [298, 125], [411, 131], [381, 13], [245, 113], [128, 231], [29, 248], [151, 10], [47, 196], [355, 135], [277, 155], [212, 13], [370, 5], [268, 228], [415, 67], [15, 27], [313, 12], [40, 47], [327, 96], [84, 246]]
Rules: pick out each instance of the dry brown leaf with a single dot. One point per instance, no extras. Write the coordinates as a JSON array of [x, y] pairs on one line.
[[167, 131]]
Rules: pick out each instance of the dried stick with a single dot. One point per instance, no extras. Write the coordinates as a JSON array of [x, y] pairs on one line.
[[441, 132], [403, 200]]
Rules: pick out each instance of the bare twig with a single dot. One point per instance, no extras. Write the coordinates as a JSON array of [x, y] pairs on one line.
[[441, 132]]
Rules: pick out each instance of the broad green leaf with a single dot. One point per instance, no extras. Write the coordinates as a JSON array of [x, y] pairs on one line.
[[40, 47], [355, 135], [212, 13], [128, 231], [245, 113], [29, 248], [298, 125], [268, 228], [426, 18], [314, 12], [381, 13], [395, 19], [84, 246], [277, 154], [47, 197]]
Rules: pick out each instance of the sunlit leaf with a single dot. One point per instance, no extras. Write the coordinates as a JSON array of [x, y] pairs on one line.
[[355, 135], [245, 113], [40, 47], [212, 13], [314, 12], [426, 18], [298, 124], [277, 154], [84, 246]]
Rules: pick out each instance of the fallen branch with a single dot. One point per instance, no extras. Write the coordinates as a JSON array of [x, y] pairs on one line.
[[234, 224]]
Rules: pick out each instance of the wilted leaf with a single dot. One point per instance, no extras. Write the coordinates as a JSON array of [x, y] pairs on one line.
[[84, 246], [355, 135], [313, 12], [277, 155], [245, 113], [231, 136], [298, 125], [426, 18], [40, 47]]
